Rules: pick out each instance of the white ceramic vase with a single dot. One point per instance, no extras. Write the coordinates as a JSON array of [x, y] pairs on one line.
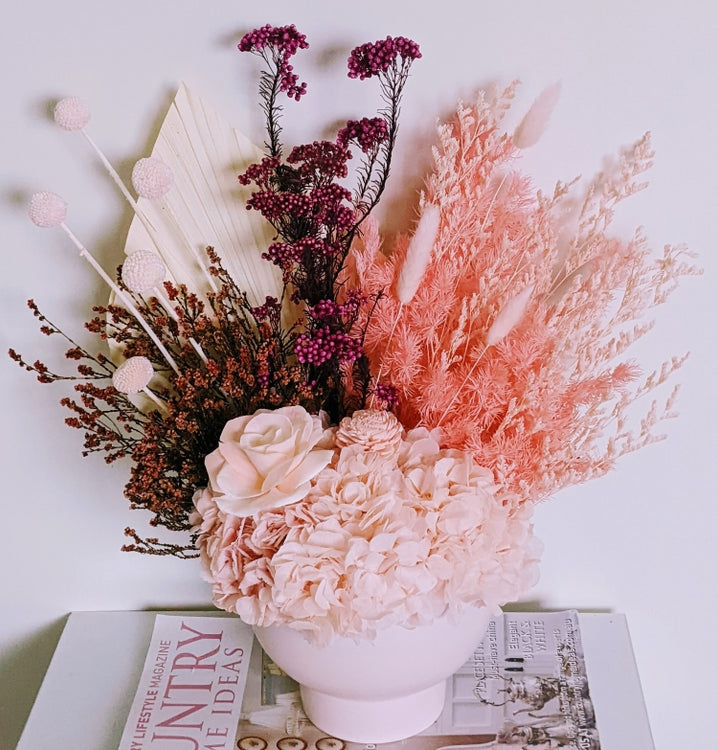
[[376, 691]]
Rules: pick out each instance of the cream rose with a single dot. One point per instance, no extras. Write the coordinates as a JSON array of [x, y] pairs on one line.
[[376, 431], [266, 460]]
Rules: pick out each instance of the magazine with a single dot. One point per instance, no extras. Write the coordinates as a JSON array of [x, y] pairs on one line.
[[192, 685], [525, 686], [206, 684]]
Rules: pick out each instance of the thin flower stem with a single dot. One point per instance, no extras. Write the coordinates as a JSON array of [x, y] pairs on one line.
[[493, 200], [483, 227], [388, 342], [141, 215], [118, 181], [121, 295], [161, 404], [171, 312], [457, 392]]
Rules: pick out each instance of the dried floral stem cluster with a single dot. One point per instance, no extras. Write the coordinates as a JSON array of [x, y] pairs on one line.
[[514, 341], [227, 357], [316, 218], [251, 365]]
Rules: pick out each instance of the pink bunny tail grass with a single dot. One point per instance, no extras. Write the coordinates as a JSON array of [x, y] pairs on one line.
[[509, 317], [534, 122], [418, 254]]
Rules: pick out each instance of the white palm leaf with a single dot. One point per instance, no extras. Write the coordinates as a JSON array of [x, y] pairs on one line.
[[206, 204]]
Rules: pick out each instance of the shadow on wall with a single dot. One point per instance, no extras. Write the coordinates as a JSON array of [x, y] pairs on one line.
[[22, 670]]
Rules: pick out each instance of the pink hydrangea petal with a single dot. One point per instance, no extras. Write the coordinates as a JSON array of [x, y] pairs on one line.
[[389, 554]]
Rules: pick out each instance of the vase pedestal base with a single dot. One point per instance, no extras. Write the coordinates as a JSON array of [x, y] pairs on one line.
[[374, 721], [382, 689]]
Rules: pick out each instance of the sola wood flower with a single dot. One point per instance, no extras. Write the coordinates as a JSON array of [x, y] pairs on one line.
[[374, 431], [266, 460]]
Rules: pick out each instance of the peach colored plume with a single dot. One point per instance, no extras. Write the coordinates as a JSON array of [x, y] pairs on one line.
[[544, 404]]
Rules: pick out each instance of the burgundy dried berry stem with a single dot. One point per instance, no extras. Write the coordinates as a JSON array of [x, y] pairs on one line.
[[389, 60], [276, 45]]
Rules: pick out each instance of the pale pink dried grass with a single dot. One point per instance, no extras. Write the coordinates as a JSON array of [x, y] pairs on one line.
[[546, 405]]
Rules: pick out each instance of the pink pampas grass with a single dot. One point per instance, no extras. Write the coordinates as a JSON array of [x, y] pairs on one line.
[[515, 341]]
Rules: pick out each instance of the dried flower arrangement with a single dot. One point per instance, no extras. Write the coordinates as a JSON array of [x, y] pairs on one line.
[[360, 440]]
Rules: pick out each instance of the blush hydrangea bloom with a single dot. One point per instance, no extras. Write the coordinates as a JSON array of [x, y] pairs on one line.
[[383, 537]]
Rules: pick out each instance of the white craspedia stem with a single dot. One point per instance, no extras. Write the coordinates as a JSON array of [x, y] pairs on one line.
[[71, 114], [133, 375], [151, 178], [47, 209], [142, 271]]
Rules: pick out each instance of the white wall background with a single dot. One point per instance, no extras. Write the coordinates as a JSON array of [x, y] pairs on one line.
[[641, 541]]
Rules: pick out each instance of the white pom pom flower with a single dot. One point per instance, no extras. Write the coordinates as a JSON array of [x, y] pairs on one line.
[[133, 375], [71, 114], [47, 209], [151, 178], [142, 271]]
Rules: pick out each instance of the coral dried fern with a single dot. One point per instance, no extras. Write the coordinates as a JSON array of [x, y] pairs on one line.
[[514, 343]]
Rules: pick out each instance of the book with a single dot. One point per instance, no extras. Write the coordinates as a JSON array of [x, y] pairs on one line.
[[536, 680]]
